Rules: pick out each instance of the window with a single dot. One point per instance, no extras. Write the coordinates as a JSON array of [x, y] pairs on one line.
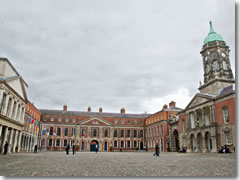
[[128, 122], [106, 132], [122, 144], [58, 142], [128, 144], [115, 144], [2, 102], [122, 121], [59, 119], [154, 131], [122, 133], [13, 110], [135, 122], [149, 133], [161, 130], [115, 121], [183, 125], [135, 144], [141, 133], [84, 132], [51, 131], [44, 118], [224, 65], [66, 119], [8, 106], [141, 121], [52, 118], [65, 142], [73, 119], [135, 133], [225, 114], [94, 132], [228, 137], [215, 66], [50, 142], [58, 131], [66, 132], [115, 133], [128, 133], [158, 131]]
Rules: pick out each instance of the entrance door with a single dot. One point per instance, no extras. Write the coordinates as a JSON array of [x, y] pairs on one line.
[[141, 145], [105, 146], [161, 144], [93, 145], [82, 147]]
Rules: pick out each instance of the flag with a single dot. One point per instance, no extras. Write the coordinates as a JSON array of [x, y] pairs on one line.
[[31, 119], [62, 132], [73, 132], [47, 132], [54, 131], [30, 125], [40, 130]]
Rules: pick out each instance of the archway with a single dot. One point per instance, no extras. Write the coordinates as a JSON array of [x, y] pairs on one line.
[[93, 145], [192, 144], [176, 140], [199, 142], [208, 141]]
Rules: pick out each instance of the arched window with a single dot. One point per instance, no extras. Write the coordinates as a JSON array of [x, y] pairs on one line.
[[106, 132], [215, 66], [115, 133], [224, 65], [94, 132]]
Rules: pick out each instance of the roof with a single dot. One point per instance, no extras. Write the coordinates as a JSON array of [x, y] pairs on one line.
[[227, 90], [173, 108], [212, 35], [100, 114]]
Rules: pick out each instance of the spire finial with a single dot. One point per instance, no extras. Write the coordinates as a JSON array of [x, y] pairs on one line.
[[211, 27]]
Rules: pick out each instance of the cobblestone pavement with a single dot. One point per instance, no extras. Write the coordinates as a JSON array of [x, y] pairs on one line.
[[117, 164]]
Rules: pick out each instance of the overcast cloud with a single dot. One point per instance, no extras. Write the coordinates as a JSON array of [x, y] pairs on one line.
[[137, 54]]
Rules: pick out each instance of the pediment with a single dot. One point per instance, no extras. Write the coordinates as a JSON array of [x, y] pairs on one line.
[[18, 85], [95, 121], [197, 100]]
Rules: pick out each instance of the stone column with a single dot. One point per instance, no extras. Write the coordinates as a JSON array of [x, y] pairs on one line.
[[10, 141], [10, 108], [214, 144], [15, 140], [1, 95], [4, 138], [23, 114], [28, 143], [203, 118], [1, 131], [195, 144], [204, 146], [16, 111], [19, 140]]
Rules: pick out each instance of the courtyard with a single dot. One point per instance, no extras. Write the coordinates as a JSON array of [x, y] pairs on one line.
[[117, 164]]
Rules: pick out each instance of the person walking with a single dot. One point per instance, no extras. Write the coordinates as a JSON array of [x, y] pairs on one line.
[[5, 148], [73, 149], [96, 149], [35, 149], [157, 150], [67, 149]]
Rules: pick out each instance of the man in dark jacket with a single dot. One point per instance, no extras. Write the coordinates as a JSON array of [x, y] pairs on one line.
[[67, 149], [73, 149], [157, 150], [5, 147]]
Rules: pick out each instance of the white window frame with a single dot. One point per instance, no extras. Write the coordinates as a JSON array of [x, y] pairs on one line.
[[56, 143], [52, 119], [228, 137], [121, 144], [114, 144]]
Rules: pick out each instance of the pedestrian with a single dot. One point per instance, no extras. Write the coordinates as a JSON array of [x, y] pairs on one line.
[[5, 147], [73, 149], [157, 149], [96, 149], [67, 149], [35, 149]]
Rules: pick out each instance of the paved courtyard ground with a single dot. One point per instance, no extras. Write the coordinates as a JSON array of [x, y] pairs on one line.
[[117, 164]]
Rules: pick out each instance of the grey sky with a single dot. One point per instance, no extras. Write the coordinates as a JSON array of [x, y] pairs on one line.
[[106, 53]]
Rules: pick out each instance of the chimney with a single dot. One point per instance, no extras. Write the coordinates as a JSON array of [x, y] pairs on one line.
[[89, 109], [172, 104], [65, 107], [165, 106], [122, 111], [100, 109]]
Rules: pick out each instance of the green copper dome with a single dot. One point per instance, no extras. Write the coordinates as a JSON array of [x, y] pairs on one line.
[[212, 35]]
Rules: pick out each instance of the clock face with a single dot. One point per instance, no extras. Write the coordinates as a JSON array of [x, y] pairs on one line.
[[205, 58], [214, 55], [223, 54]]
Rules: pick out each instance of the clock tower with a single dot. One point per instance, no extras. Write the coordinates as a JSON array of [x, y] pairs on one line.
[[216, 63]]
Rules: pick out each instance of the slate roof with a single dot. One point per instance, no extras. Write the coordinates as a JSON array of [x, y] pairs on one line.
[[82, 113]]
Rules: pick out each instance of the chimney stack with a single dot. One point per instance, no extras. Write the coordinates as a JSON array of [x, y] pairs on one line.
[[65, 107], [172, 104], [122, 111], [100, 109], [89, 109], [165, 106]]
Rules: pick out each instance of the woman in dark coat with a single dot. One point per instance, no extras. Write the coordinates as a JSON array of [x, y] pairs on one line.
[[6, 148]]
